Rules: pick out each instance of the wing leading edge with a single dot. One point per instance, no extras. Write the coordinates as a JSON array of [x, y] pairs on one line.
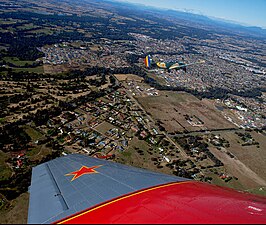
[[81, 189], [70, 184]]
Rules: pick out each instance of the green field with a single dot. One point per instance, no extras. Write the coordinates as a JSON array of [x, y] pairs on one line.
[[34, 151], [258, 191], [137, 155], [2, 120], [234, 184], [38, 153], [16, 61], [3, 30], [131, 156], [5, 171], [5, 22], [38, 69], [34, 134], [20, 63]]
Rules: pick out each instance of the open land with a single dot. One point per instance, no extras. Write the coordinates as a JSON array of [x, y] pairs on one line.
[[253, 156], [77, 84], [17, 212], [179, 112]]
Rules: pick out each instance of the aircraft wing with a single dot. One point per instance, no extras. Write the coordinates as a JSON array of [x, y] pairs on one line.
[[55, 195], [81, 189]]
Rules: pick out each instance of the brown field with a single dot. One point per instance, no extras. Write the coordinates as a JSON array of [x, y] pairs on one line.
[[95, 48], [128, 77], [171, 107], [18, 212], [234, 167], [251, 156], [54, 69], [248, 165]]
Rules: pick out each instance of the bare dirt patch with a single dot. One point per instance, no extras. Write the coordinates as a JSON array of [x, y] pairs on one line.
[[53, 69]]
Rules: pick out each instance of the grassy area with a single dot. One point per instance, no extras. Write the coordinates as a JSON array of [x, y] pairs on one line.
[[16, 61], [251, 156], [126, 155], [5, 171], [38, 69], [38, 153], [3, 30], [1, 204], [131, 157], [2, 120], [78, 111], [4, 73], [171, 107], [258, 191], [137, 155], [34, 134], [34, 151], [160, 80], [234, 184], [7, 22]]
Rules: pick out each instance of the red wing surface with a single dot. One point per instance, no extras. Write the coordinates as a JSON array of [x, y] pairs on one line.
[[81, 189]]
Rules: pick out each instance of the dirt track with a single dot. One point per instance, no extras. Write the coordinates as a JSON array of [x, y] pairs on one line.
[[247, 176]]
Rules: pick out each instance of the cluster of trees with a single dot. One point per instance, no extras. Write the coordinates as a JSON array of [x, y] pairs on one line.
[[247, 139], [15, 137], [16, 185], [133, 58], [21, 76], [73, 86], [190, 142]]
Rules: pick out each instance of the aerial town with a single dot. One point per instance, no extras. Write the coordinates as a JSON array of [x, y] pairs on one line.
[[87, 91], [218, 73]]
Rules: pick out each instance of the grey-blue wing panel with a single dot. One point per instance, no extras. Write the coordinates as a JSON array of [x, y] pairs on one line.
[[54, 196]]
